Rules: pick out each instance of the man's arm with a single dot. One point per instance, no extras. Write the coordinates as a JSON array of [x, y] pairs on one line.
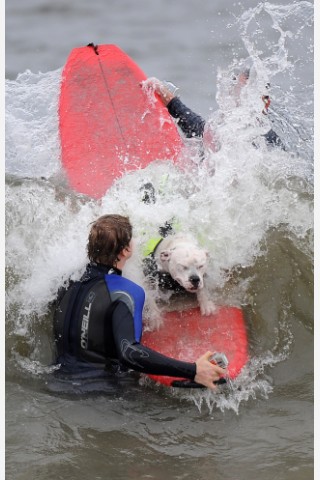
[[139, 357], [190, 123], [143, 359]]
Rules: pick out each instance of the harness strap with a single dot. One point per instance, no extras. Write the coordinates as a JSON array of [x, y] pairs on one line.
[[151, 246]]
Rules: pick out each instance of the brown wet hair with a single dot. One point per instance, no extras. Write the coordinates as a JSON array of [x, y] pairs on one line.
[[108, 236]]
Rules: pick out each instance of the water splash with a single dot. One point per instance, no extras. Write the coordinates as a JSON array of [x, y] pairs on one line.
[[32, 138]]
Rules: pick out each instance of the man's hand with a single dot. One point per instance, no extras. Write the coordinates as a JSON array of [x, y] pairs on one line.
[[207, 373], [158, 87]]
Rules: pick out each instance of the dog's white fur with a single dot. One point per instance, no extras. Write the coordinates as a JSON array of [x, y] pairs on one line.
[[186, 262]]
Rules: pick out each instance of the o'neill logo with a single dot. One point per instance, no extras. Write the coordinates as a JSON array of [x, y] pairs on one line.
[[85, 321]]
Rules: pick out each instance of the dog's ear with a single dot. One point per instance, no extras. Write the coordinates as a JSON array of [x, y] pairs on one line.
[[165, 256]]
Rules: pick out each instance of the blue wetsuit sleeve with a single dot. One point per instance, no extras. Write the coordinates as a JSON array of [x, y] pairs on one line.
[[139, 357], [191, 124]]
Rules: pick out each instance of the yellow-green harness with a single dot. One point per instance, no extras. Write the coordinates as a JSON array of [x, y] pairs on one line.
[[150, 268]]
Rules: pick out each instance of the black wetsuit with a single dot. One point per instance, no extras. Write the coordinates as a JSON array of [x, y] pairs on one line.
[[98, 321], [192, 125]]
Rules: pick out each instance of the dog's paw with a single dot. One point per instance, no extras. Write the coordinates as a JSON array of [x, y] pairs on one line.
[[153, 317], [154, 322], [208, 308]]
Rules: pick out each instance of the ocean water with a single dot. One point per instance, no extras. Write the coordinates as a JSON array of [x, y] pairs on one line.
[[252, 204]]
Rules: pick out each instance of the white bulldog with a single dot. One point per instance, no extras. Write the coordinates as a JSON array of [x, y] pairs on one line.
[[181, 257]]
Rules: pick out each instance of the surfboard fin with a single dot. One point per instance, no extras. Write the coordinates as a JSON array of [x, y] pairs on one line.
[[95, 47]]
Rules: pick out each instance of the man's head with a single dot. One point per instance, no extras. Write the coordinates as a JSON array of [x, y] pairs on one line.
[[108, 237]]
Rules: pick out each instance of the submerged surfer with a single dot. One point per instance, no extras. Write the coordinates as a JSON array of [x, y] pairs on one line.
[[98, 319], [193, 125]]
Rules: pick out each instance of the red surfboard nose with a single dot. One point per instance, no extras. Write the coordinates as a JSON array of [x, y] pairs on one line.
[[108, 126]]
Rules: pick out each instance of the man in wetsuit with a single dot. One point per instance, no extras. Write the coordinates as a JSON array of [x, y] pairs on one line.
[[98, 320]]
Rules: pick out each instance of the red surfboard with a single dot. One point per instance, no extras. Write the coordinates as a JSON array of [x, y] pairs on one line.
[[186, 335], [108, 125]]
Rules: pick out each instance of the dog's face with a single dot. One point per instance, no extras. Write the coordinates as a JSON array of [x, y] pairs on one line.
[[186, 264]]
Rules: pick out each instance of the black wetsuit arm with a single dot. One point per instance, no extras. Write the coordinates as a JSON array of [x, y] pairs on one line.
[[190, 123], [139, 357]]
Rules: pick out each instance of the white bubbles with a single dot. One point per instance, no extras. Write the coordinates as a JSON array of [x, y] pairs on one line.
[[32, 141], [45, 242]]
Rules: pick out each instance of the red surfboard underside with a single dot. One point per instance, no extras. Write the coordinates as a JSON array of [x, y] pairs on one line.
[[108, 125], [186, 335]]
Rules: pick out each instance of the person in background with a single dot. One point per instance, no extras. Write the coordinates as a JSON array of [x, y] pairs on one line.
[[192, 124], [98, 320]]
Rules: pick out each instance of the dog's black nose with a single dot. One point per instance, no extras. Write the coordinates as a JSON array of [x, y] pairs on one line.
[[195, 280]]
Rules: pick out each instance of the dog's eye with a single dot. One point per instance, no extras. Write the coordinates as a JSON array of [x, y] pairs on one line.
[[182, 267]]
